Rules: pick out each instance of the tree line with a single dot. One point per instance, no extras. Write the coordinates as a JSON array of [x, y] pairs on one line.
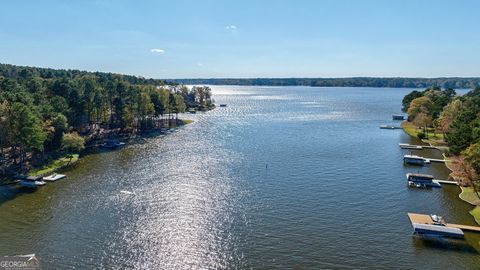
[[453, 82], [46, 110]]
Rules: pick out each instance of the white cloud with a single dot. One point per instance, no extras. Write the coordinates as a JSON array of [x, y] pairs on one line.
[[230, 27], [200, 64], [157, 51]]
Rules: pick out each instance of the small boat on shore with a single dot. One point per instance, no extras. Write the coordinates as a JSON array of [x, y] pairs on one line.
[[54, 177], [112, 144], [31, 182]]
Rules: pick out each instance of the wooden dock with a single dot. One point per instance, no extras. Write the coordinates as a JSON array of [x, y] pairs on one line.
[[426, 219]]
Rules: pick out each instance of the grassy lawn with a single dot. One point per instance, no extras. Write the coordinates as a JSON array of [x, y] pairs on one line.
[[434, 139], [476, 214], [187, 121], [56, 164], [410, 129], [469, 196]]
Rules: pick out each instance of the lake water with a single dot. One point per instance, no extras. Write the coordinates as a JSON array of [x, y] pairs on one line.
[[284, 177]]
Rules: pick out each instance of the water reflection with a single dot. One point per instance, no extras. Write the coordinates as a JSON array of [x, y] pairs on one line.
[[435, 242], [333, 195]]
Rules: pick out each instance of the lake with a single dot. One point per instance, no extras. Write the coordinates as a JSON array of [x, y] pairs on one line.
[[283, 177]]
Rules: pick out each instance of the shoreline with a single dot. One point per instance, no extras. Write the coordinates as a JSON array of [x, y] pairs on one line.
[[464, 191], [61, 161]]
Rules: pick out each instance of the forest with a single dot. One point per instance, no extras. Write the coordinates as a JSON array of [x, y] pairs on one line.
[[454, 82], [46, 111]]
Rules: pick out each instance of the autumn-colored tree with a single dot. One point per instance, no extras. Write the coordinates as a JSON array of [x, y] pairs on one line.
[[419, 105], [447, 116]]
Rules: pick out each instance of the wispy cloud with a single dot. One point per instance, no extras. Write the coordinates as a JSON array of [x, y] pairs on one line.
[[157, 51], [200, 64], [231, 27]]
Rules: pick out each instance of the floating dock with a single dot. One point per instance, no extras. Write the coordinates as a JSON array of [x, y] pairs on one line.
[[426, 219], [418, 160], [409, 146], [54, 177], [389, 127], [415, 147]]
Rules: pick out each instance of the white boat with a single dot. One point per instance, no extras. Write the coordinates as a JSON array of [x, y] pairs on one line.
[[112, 144], [31, 184], [54, 177]]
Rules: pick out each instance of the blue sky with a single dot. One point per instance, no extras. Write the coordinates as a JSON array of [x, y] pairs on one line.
[[203, 39]]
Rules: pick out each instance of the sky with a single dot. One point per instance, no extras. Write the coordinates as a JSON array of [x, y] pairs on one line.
[[245, 39]]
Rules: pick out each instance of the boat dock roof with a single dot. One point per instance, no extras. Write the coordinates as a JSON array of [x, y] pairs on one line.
[[420, 175], [426, 219], [426, 160]]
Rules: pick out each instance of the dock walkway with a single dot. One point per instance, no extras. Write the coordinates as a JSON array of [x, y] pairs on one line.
[[446, 182], [429, 160], [415, 146]]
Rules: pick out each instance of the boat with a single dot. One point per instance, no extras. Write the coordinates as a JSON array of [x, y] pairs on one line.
[[31, 183], [398, 117], [421, 180], [414, 160], [54, 177], [112, 144], [223, 105], [417, 185]]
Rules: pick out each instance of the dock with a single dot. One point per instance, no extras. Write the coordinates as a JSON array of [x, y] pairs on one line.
[[429, 160], [445, 182], [389, 127], [418, 160], [426, 219], [415, 147]]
